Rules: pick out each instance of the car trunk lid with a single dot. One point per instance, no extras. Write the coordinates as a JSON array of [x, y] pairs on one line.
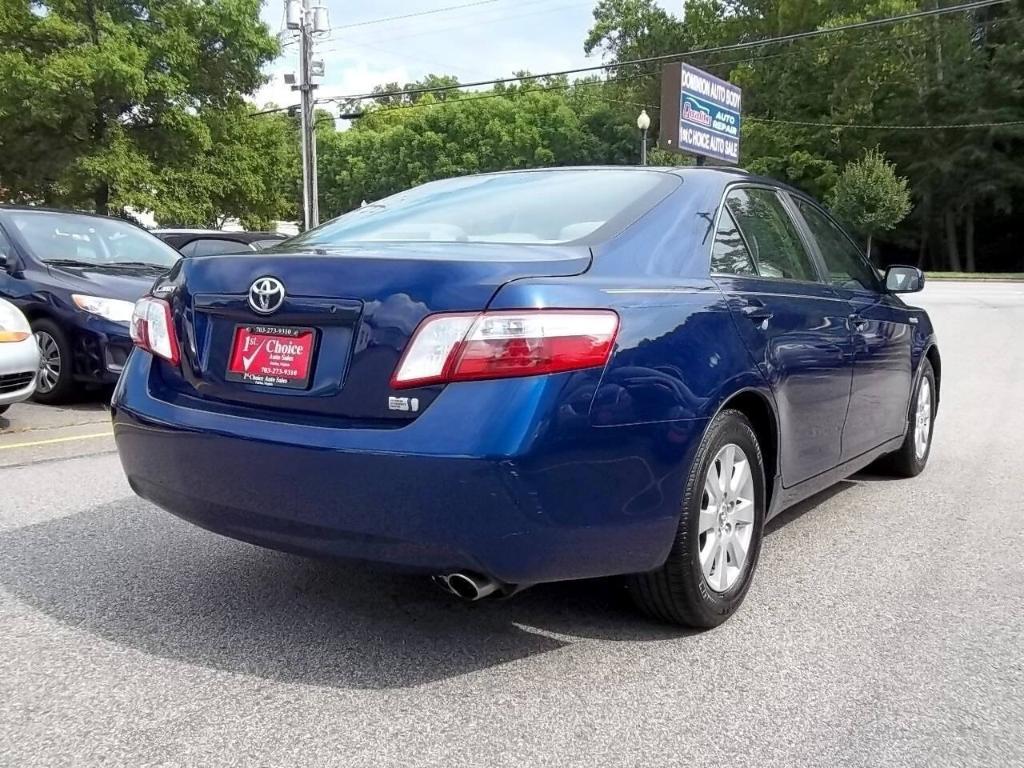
[[355, 308]]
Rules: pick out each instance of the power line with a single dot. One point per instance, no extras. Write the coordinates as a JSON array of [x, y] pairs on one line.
[[401, 17], [666, 57], [474, 22], [725, 62], [679, 56], [884, 126], [417, 14]]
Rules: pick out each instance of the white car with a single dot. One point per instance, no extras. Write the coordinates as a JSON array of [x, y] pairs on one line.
[[19, 357]]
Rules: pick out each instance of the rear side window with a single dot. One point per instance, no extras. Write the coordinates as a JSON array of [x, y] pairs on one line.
[[846, 265], [261, 245], [729, 254], [769, 232], [543, 207]]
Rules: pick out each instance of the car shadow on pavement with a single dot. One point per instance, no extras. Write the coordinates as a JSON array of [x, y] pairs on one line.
[[87, 399], [140, 578], [797, 511], [83, 402]]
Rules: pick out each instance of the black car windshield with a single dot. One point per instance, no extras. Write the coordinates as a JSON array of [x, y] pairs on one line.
[[546, 207], [72, 238]]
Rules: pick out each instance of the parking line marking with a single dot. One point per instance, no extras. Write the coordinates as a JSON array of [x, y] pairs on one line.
[[56, 440]]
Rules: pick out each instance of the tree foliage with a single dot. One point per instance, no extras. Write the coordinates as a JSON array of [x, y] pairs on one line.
[[812, 106], [115, 103], [869, 197], [540, 124]]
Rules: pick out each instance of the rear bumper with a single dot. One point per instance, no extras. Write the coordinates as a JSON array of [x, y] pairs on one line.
[[534, 501], [19, 362]]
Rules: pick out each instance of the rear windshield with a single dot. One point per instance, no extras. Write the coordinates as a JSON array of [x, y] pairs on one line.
[[546, 207], [71, 238]]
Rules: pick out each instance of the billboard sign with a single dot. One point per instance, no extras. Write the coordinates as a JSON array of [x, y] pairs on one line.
[[700, 113]]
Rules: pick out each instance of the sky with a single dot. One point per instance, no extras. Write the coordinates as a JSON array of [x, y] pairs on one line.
[[492, 39]]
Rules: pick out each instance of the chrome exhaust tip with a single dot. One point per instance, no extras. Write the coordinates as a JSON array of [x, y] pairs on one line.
[[468, 586]]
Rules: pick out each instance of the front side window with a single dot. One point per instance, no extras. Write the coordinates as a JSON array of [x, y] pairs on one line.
[[542, 207], [846, 265], [729, 254], [95, 241], [777, 249]]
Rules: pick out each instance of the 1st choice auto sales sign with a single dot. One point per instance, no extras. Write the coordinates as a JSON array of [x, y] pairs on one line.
[[700, 113]]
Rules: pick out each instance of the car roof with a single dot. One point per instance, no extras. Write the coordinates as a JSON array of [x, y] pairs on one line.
[[721, 174], [219, 234], [64, 211]]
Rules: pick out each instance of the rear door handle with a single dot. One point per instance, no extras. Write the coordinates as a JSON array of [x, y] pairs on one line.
[[756, 313], [858, 323]]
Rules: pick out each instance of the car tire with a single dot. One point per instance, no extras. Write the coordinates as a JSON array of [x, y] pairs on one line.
[[912, 457], [52, 339], [704, 579]]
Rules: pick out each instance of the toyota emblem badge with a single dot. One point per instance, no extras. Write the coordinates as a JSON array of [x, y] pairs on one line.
[[266, 295]]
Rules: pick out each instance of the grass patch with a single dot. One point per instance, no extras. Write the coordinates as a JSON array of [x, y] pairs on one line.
[[975, 275]]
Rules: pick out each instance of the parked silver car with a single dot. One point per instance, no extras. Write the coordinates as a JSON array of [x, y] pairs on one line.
[[19, 357]]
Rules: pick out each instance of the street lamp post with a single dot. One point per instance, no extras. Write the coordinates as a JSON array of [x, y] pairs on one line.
[[643, 122]]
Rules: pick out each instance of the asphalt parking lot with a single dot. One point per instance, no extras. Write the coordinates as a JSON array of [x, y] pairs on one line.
[[885, 625]]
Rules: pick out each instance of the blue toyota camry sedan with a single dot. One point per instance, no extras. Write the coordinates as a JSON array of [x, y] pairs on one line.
[[532, 376]]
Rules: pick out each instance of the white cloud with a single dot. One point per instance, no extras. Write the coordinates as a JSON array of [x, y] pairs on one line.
[[344, 75]]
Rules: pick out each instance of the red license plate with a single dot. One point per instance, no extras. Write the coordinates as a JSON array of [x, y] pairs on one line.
[[272, 356]]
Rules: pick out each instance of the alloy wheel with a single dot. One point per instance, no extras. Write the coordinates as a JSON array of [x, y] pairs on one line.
[[726, 521], [49, 362], [923, 419]]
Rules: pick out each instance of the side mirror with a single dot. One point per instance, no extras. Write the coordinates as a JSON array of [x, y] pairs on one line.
[[904, 279]]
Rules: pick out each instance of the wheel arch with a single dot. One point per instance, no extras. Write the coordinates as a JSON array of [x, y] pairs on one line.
[[760, 412], [933, 357], [39, 312]]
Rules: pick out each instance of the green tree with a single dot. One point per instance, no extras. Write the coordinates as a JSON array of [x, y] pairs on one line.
[[812, 106], [247, 169], [107, 103], [870, 197], [430, 81], [518, 126]]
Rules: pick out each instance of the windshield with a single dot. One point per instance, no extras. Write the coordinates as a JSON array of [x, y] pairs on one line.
[[546, 207], [71, 238]]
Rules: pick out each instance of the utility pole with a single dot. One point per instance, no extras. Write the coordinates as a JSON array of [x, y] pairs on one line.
[[307, 19]]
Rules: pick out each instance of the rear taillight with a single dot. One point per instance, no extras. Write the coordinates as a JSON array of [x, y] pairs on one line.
[[496, 345], [152, 328]]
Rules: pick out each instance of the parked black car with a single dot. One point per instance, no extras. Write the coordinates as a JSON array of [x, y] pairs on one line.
[[206, 242], [77, 277]]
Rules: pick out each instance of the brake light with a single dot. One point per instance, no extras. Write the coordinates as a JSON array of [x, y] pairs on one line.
[[497, 345], [152, 328]]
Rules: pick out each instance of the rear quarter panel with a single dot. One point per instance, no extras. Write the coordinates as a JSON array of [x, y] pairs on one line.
[[677, 355]]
